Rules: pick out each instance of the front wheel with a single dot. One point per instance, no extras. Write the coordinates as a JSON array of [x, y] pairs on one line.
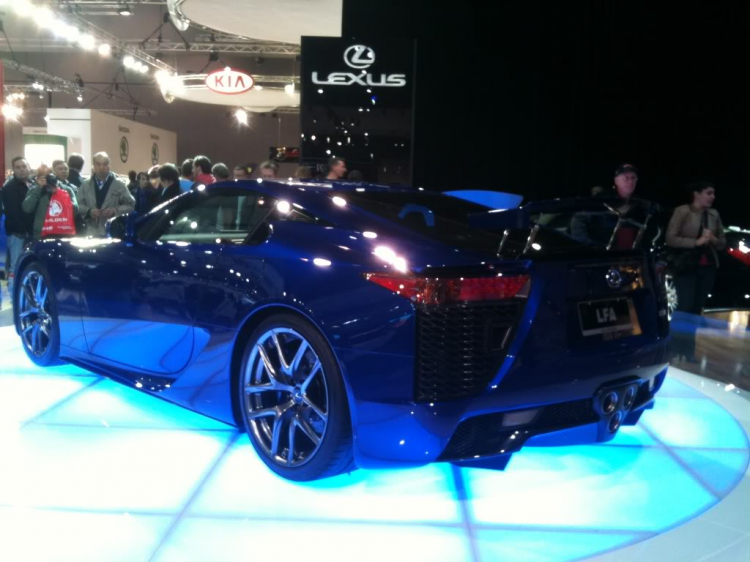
[[293, 401], [36, 316]]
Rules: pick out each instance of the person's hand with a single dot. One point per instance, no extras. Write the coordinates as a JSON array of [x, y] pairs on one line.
[[711, 237], [95, 213], [703, 240], [108, 213]]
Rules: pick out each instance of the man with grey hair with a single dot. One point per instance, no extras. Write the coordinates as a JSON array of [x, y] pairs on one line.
[[268, 170], [102, 197]]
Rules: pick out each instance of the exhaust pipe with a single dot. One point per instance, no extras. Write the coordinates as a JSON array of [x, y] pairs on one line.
[[629, 398], [609, 403], [615, 422]]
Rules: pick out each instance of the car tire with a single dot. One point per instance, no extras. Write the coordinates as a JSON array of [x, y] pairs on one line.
[[293, 400], [35, 312]]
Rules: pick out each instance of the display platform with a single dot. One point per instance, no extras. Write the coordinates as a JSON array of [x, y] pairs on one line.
[[94, 470]]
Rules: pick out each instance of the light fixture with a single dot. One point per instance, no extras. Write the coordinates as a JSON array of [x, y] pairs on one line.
[[128, 61], [241, 116], [44, 17], [289, 89], [87, 41], [23, 7], [258, 87], [80, 97], [105, 49], [143, 69], [125, 11]]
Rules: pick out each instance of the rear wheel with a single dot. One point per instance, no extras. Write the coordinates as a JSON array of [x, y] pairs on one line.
[[36, 315], [293, 401]]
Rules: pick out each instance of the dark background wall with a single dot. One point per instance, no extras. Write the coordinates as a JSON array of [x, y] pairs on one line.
[[545, 99]]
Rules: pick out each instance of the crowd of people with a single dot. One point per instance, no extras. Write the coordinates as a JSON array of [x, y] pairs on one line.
[[57, 200]]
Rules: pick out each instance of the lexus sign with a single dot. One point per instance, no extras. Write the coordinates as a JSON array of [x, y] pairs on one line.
[[229, 82], [360, 57]]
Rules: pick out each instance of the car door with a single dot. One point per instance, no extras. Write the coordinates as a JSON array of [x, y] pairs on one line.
[[140, 297]]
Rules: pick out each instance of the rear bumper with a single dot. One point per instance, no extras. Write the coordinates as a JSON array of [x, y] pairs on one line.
[[569, 412]]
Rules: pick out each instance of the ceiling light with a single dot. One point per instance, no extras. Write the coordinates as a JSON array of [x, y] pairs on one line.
[[80, 97], [105, 49], [125, 11], [258, 87], [143, 69], [87, 41], [44, 17], [128, 61], [289, 88], [23, 7], [241, 116]]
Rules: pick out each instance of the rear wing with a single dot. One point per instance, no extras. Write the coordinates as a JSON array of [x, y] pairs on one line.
[[533, 216]]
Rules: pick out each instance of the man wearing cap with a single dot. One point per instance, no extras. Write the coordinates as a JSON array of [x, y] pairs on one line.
[[596, 227], [38, 198], [626, 179]]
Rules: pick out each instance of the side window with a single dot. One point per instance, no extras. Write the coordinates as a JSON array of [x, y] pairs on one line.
[[226, 216]]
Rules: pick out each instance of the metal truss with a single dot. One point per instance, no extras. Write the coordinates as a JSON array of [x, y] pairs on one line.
[[51, 82], [116, 112], [236, 47]]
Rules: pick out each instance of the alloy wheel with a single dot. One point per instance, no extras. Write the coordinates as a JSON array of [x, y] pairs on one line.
[[286, 397], [34, 314]]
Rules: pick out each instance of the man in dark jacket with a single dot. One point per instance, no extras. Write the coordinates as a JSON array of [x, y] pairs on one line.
[[18, 224], [75, 163], [169, 178]]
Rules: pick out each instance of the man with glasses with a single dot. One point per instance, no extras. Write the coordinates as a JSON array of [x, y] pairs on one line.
[[18, 224]]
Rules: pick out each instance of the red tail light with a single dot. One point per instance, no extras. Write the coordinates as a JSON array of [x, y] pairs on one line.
[[425, 290], [739, 254]]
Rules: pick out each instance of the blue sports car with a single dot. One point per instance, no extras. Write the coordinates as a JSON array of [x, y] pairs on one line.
[[345, 325]]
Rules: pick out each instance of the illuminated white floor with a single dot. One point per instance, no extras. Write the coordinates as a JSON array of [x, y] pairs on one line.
[[92, 470]]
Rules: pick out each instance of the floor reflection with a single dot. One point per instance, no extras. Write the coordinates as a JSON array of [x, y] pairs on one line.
[[716, 345]]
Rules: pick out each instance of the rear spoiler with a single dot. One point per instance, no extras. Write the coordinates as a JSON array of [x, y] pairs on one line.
[[530, 215]]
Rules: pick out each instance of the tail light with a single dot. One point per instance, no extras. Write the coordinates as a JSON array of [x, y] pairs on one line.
[[437, 291], [741, 253]]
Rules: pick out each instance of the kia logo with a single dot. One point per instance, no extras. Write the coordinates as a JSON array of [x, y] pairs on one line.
[[359, 57], [229, 82], [614, 278], [55, 209]]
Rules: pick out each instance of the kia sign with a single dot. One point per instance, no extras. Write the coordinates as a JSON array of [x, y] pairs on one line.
[[359, 57], [229, 82]]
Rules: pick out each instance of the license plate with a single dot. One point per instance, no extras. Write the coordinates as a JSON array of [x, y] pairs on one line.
[[606, 316]]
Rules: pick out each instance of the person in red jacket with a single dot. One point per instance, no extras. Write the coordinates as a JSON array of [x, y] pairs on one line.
[[202, 171]]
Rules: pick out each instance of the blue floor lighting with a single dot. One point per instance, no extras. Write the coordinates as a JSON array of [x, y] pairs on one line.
[[93, 470]]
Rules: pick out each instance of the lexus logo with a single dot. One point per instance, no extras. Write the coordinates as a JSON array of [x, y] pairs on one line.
[[614, 278], [359, 57]]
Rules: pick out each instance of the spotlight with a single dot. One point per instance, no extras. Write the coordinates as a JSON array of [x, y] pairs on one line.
[[44, 17], [23, 7], [87, 41], [241, 116], [80, 97], [289, 88], [125, 11], [105, 49], [22, 96], [258, 87], [128, 61], [143, 69]]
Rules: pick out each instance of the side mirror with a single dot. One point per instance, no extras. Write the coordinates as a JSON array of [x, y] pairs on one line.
[[122, 227]]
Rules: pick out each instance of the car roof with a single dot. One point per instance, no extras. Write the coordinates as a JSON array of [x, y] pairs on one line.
[[307, 185]]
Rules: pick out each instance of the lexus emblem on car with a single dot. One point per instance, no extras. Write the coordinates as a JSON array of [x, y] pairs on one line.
[[359, 57], [614, 278]]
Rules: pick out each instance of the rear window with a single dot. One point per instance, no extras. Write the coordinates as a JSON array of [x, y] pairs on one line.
[[438, 217]]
